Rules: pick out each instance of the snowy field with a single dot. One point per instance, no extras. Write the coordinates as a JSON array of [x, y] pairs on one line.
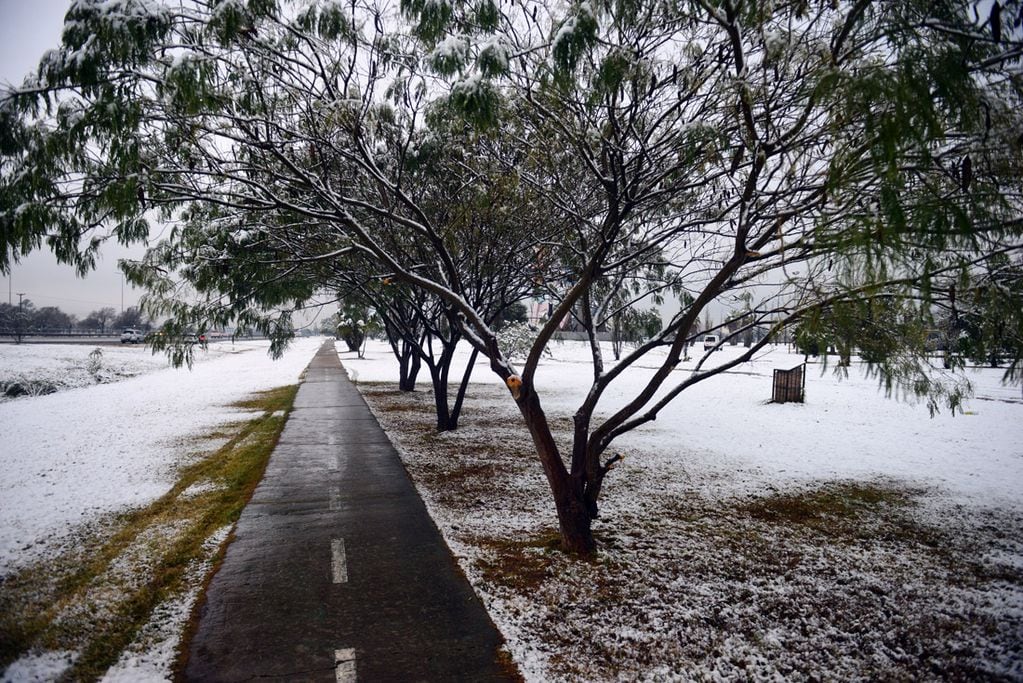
[[850, 537], [74, 455], [724, 430], [910, 565], [39, 369]]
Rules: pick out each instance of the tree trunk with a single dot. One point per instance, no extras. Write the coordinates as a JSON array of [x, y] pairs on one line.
[[575, 525], [574, 517], [456, 409], [409, 364], [439, 376], [440, 402]]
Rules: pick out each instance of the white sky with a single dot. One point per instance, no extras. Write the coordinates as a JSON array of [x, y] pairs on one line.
[[27, 29]]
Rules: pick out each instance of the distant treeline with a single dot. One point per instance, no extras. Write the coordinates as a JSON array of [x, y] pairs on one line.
[[18, 320]]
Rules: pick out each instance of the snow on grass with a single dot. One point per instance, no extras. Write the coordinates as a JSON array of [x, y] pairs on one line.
[[851, 537], [38, 369], [75, 455], [725, 430], [47, 666], [99, 577], [152, 655]]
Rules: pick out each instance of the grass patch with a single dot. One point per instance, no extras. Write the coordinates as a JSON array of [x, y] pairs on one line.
[[520, 564], [841, 501], [96, 599], [849, 511]]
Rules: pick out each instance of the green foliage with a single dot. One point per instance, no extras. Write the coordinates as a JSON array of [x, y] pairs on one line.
[[987, 325], [576, 34], [493, 60], [432, 17], [891, 337], [516, 340], [355, 323], [515, 313], [478, 101], [98, 36], [449, 58], [487, 15]]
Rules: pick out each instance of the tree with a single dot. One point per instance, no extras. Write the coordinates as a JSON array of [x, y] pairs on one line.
[[489, 228], [355, 324], [984, 323], [52, 319], [130, 317], [633, 326], [515, 313], [98, 319], [829, 152], [16, 321]]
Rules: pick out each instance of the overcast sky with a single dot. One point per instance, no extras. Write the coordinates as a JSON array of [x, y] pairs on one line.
[[27, 29]]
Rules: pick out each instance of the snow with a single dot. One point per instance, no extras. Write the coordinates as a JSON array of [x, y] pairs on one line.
[[845, 429], [470, 84], [154, 651], [44, 368], [691, 585], [692, 581], [452, 48], [77, 454], [496, 50], [47, 666]]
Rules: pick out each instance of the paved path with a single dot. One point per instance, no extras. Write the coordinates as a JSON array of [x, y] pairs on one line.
[[337, 572]]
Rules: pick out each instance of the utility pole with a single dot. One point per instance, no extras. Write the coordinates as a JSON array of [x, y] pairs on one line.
[[20, 319]]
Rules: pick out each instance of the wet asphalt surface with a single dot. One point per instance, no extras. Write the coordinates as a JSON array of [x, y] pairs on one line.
[[337, 572]]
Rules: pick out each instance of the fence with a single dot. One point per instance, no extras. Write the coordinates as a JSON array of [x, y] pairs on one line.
[[789, 385]]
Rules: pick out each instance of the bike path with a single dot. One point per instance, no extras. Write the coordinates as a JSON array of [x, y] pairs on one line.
[[336, 571]]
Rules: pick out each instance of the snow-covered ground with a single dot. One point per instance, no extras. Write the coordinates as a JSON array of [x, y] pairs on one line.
[[691, 577], [852, 537], [71, 456], [36, 369], [845, 429]]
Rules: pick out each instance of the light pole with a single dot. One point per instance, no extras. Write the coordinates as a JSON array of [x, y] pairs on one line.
[[20, 318]]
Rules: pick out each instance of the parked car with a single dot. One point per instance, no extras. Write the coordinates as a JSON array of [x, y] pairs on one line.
[[131, 336], [710, 341]]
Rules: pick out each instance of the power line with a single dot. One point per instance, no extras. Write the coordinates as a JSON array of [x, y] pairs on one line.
[[77, 301]]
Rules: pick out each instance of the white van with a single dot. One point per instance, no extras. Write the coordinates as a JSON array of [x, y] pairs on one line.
[[710, 341]]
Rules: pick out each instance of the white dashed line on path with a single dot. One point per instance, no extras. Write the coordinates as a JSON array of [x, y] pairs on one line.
[[335, 498], [344, 665], [338, 564]]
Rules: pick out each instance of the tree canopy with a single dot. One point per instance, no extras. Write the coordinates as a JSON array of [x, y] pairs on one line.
[[802, 157]]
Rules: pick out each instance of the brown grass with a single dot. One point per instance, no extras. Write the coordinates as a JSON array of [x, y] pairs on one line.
[[95, 598], [852, 579]]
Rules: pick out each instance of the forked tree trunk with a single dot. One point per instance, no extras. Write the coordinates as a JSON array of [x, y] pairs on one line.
[[439, 371], [440, 400], [409, 364], [448, 415], [574, 514]]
